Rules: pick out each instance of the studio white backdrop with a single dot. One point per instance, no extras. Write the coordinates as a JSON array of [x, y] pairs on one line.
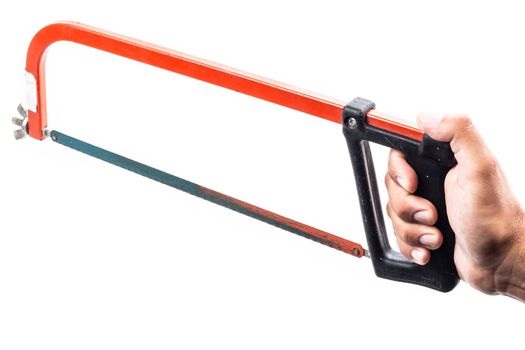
[[92, 256]]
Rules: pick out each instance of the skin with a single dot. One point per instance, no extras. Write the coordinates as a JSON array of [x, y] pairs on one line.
[[486, 217]]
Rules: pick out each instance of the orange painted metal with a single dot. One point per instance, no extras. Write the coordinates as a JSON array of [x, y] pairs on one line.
[[171, 60], [174, 61]]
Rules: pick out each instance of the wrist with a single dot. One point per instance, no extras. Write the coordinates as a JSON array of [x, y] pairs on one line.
[[509, 277], [498, 264]]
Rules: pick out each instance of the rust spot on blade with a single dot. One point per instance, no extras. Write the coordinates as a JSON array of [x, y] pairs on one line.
[[285, 223]]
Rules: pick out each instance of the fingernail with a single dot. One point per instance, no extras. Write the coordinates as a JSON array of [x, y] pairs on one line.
[[417, 254], [402, 182], [423, 217], [429, 241]]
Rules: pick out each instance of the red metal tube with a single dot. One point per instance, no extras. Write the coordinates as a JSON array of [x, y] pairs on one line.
[[174, 61]]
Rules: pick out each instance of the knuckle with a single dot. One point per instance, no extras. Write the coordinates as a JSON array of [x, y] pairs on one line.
[[489, 166], [394, 190], [401, 233], [462, 120], [401, 236], [406, 236], [465, 120], [486, 169], [401, 206], [395, 160], [391, 172], [393, 164], [404, 210], [404, 249]]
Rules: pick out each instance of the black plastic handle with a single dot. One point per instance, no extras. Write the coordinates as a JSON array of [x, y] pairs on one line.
[[431, 161]]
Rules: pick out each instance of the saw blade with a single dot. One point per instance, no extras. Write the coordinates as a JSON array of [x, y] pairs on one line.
[[221, 199]]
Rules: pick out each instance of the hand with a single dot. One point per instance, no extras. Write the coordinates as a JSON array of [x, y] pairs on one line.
[[486, 217]]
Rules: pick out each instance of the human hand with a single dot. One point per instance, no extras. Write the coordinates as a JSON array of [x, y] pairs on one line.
[[486, 217]]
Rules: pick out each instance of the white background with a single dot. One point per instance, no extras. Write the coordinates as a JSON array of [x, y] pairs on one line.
[[92, 256]]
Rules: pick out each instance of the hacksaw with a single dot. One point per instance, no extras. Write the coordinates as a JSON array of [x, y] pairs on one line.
[[361, 124]]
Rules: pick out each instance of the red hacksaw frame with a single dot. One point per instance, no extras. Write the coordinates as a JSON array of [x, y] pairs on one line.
[[210, 72]]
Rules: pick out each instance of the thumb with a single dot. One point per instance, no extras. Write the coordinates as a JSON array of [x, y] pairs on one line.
[[465, 140]]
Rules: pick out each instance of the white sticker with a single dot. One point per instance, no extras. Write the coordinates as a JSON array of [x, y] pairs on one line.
[[31, 95]]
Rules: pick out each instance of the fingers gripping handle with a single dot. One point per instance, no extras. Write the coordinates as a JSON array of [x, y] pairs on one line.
[[431, 161]]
